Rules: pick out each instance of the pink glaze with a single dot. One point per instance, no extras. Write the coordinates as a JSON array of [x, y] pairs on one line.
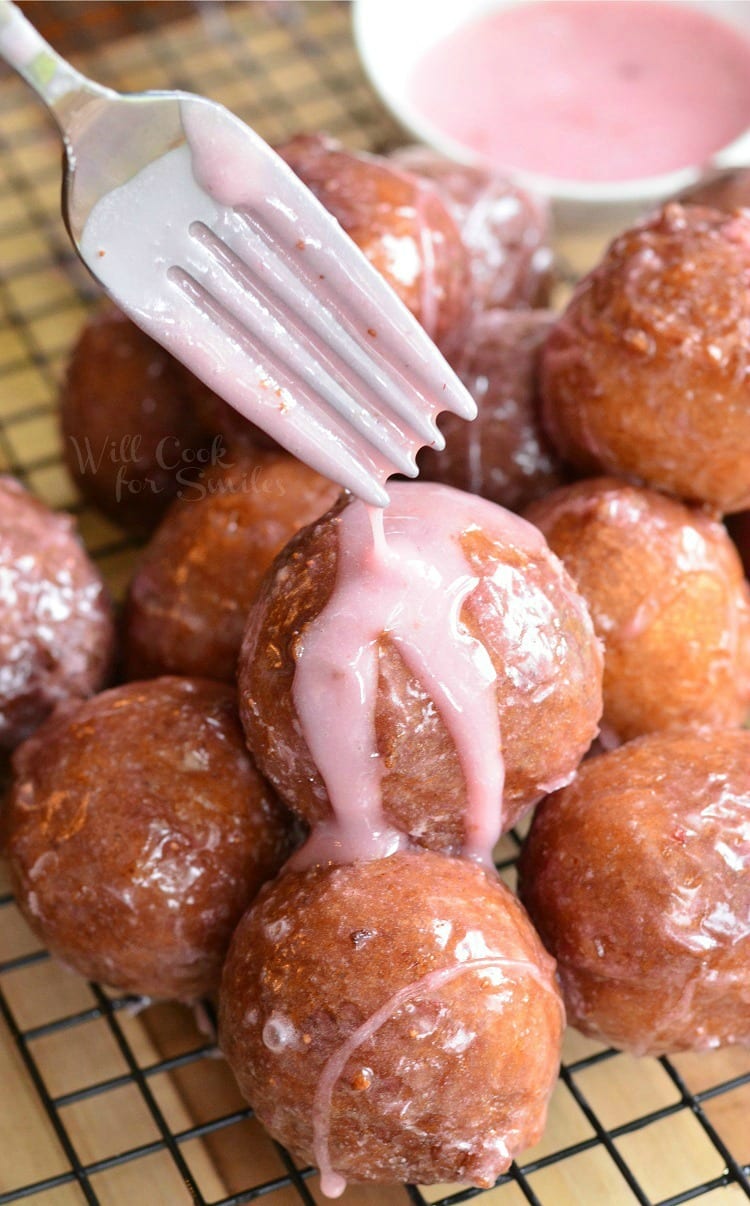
[[599, 91], [331, 1182], [407, 579]]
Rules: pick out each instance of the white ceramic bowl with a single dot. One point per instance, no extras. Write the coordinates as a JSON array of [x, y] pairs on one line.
[[393, 35]]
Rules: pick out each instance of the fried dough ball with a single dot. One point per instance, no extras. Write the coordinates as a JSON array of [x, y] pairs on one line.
[[504, 230], [667, 595], [394, 1020], [138, 831], [129, 434], [647, 373], [524, 610], [188, 600], [400, 224], [637, 877], [56, 624], [503, 454]]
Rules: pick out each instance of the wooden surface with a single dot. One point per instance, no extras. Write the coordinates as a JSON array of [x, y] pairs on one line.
[[283, 67]]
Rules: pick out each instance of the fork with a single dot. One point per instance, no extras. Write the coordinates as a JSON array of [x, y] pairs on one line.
[[209, 242]]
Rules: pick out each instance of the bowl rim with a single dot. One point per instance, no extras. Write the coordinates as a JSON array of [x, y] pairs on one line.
[[643, 188]]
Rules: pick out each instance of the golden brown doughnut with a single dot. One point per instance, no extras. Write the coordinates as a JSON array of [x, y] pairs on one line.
[[532, 623], [138, 831], [394, 1020], [400, 224], [637, 877], [647, 373], [668, 598], [189, 597]]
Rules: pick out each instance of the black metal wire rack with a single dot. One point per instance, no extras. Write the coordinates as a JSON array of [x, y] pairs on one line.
[[110, 1101], [116, 1054]]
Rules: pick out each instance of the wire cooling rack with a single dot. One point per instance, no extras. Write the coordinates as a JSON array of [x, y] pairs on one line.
[[103, 1100]]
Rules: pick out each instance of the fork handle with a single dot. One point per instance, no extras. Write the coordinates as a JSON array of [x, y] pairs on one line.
[[59, 85]]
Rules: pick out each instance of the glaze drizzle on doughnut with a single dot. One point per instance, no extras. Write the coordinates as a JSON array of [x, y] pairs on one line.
[[392, 580], [331, 1182]]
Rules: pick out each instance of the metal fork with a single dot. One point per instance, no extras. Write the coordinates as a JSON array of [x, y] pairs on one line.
[[207, 240]]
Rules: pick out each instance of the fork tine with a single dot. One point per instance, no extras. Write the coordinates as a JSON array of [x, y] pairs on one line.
[[290, 338], [303, 287], [290, 280], [139, 231], [369, 297], [280, 392]]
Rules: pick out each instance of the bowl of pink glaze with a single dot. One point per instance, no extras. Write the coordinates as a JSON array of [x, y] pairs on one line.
[[606, 107]]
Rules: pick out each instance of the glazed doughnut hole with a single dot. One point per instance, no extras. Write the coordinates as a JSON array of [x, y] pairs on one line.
[[526, 614], [56, 623], [503, 454], [644, 376], [138, 831], [637, 878], [667, 595], [504, 229], [193, 586], [393, 1020], [401, 225], [130, 437]]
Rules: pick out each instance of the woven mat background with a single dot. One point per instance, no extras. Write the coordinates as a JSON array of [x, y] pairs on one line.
[[99, 1105]]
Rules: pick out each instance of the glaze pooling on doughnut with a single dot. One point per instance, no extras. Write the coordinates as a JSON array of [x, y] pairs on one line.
[[410, 583], [637, 877], [394, 1020], [484, 577]]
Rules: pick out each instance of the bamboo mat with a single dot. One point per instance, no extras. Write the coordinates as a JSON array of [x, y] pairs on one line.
[[99, 1103]]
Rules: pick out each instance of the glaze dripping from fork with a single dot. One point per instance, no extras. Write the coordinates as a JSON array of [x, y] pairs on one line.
[[249, 289]]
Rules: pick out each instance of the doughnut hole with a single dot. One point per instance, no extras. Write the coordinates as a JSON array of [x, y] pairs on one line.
[[667, 595], [191, 592], [56, 622], [646, 373], [138, 831], [503, 454], [401, 225], [129, 432], [536, 630], [636, 877], [394, 1020], [504, 229]]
